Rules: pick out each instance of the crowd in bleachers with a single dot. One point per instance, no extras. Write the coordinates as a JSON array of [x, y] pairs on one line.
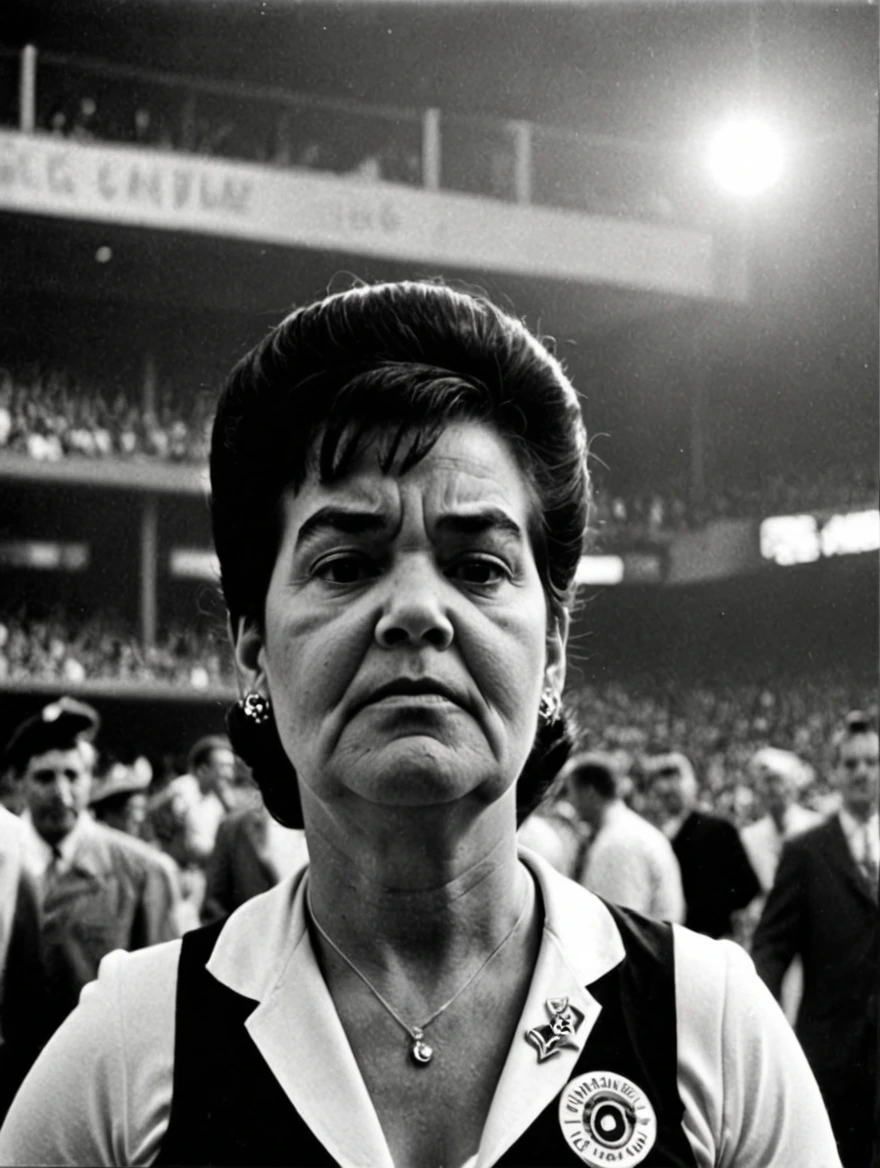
[[479, 154], [721, 723], [47, 415], [69, 648]]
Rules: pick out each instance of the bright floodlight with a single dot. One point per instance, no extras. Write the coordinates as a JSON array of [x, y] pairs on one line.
[[745, 157]]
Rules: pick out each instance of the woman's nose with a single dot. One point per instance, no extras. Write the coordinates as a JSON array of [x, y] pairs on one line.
[[414, 612]]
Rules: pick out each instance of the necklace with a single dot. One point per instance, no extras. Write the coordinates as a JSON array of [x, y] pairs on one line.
[[421, 1052]]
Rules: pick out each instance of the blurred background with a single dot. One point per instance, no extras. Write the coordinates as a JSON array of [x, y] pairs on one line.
[[683, 196]]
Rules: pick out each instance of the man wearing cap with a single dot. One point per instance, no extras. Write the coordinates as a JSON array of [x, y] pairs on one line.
[[99, 889], [716, 874], [119, 797], [823, 907], [629, 862], [778, 777]]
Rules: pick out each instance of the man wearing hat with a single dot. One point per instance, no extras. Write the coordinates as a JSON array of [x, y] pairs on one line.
[[823, 907], [778, 777], [119, 797], [99, 889]]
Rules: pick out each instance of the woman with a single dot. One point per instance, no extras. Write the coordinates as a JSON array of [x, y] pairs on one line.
[[399, 503]]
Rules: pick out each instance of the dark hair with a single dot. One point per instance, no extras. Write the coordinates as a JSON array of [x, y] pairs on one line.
[[203, 748], [596, 771], [392, 364]]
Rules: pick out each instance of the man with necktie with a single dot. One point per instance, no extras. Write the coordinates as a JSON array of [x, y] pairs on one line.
[[823, 907], [99, 889]]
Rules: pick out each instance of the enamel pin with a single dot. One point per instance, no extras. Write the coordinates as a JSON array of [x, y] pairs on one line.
[[607, 1119], [550, 1038]]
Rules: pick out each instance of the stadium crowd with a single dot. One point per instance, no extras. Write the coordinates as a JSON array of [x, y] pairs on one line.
[[180, 849], [723, 720], [48, 416], [69, 648]]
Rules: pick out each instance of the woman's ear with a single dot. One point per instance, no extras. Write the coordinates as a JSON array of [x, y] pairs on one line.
[[557, 639], [247, 640]]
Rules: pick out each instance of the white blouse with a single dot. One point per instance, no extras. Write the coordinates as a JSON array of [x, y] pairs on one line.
[[100, 1093]]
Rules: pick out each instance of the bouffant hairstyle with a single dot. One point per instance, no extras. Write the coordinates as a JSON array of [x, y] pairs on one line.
[[388, 366]]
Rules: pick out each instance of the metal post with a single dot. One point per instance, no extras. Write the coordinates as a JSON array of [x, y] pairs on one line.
[[522, 145], [431, 149], [148, 385], [27, 90], [699, 386], [149, 556]]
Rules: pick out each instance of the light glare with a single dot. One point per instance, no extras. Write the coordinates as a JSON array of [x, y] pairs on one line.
[[745, 157]]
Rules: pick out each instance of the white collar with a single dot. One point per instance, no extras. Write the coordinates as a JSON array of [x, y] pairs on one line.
[[856, 830], [295, 1024], [40, 854]]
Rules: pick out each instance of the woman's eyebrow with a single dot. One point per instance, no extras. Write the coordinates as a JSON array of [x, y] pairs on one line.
[[488, 519], [340, 519]]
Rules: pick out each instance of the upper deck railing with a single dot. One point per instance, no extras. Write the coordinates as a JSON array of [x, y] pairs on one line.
[[515, 161]]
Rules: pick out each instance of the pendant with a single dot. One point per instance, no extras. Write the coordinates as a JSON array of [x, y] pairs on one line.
[[420, 1051]]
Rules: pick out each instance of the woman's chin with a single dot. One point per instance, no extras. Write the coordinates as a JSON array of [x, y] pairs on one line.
[[423, 772]]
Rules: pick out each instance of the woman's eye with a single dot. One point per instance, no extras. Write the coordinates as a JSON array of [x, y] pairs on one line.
[[480, 571], [345, 569]]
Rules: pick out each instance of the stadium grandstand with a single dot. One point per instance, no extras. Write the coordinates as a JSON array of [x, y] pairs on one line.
[[173, 177]]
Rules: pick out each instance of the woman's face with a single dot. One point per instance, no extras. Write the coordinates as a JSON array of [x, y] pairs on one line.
[[406, 641]]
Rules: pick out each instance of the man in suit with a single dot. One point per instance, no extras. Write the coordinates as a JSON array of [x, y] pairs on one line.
[[716, 875], [253, 852], [823, 906], [99, 890]]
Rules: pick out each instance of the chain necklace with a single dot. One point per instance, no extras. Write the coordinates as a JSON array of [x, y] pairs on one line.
[[421, 1052]]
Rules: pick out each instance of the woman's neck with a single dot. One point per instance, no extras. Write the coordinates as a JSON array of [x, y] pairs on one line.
[[414, 889]]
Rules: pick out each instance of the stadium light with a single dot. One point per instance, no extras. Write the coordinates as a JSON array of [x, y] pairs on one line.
[[745, 156]]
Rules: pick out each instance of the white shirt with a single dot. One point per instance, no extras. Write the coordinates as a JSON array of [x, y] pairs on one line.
[[100, 1093], [863, 838], [763, 841], [12, 840], [202, 812], [38, 854], [631, 862]]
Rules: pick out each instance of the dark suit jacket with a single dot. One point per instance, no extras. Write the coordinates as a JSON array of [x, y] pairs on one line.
[[240, 866], [822, 907], [716, 875]]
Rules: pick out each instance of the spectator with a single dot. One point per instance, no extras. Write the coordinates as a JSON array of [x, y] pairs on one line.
[[99, 890], [823, 906], [252, 853], [119, 798], [186, 814], [715, 871], [778, 777], [555, 832], [629, 861]]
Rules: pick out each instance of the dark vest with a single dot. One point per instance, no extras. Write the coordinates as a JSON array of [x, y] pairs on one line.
[[228, 1108]]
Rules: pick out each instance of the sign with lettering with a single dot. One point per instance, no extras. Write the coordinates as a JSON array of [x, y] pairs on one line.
[[47, 175]]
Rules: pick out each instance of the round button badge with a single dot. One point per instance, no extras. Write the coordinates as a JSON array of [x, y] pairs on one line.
[[607, 1119]]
